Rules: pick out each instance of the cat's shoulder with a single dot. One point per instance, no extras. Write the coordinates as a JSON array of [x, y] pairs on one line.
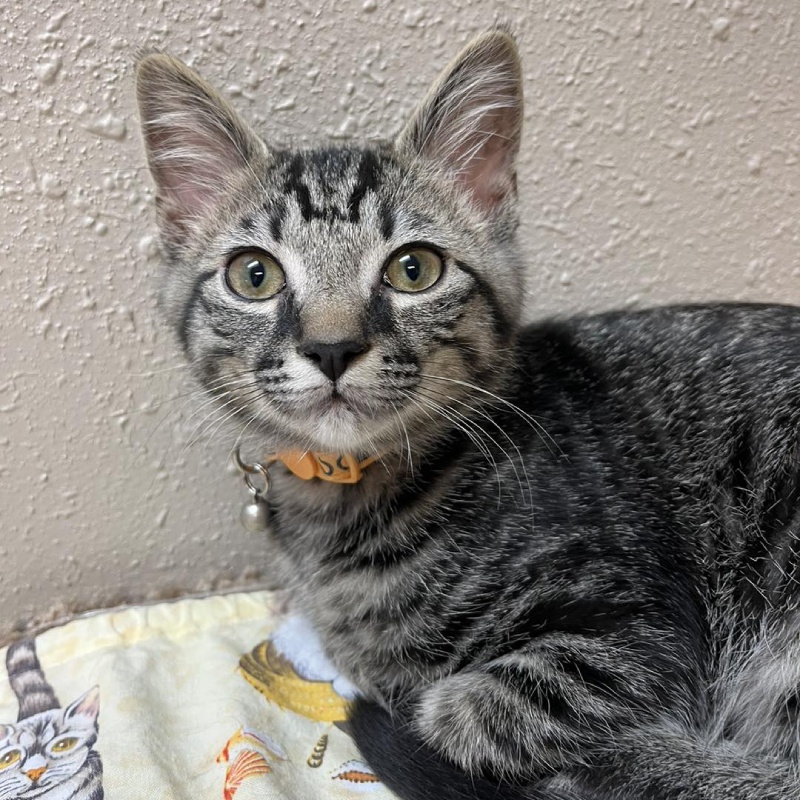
[[716, 341]]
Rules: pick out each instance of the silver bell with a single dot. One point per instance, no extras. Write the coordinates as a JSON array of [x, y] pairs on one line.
[[255, 514]]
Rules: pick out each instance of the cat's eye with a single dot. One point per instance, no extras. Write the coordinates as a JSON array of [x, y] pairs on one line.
[[9, 758], [255, 275], [413, 270], [62, 745]]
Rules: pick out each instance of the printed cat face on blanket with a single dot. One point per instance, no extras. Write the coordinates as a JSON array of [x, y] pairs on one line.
[[42, 752], [49, 752]]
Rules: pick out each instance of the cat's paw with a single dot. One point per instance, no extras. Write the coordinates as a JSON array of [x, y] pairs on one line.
[[450, 717], [487, 728], [296, 640]]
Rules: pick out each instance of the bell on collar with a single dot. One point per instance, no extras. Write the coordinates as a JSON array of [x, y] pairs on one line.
[[255, 514]]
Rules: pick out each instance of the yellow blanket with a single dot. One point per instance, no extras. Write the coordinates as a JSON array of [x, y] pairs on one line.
[[200, 699]]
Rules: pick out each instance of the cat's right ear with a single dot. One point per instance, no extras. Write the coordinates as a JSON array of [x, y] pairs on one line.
[[197, 145]]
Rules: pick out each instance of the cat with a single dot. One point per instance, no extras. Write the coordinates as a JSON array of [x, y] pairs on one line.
[[48, 754], [571, 570]]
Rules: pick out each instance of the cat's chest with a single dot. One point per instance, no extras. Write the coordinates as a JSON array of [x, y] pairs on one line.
[[364, 602]]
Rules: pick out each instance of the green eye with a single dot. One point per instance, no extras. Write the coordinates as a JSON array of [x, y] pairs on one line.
[[9, 758], [62, 745], [255, 276], [413, 270]]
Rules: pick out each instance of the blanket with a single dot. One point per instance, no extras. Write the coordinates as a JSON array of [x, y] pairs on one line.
[[199, 699]]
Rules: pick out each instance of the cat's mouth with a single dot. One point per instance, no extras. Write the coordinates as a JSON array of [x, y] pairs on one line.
[[341, 405], [338, 418], [336, 402]]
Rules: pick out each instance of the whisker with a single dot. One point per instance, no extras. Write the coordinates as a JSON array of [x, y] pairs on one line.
[[201, 428], [518, 452], [524, 415], [467, 427], [404, 430], [231, 383]]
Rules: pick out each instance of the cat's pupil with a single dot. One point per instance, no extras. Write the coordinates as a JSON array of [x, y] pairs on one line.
[[412, 267], [256, 272]]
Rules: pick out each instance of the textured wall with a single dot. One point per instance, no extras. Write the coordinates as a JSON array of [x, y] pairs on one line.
[[660, 163]]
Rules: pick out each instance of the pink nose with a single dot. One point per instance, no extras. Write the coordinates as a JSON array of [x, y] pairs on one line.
[[35, 774]]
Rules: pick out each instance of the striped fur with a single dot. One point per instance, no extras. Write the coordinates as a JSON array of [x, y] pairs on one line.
[[573, 574], [27, 680]]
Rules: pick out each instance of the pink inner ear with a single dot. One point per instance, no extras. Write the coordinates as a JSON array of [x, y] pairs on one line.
[[191, 169], [470, 124], [476, 139], [486, 170], [88, 705]]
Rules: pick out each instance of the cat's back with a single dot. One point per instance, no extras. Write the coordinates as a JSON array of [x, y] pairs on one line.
[[696, 408], [680, 363]]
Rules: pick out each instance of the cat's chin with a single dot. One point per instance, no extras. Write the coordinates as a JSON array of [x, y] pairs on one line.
[[341, 424], [353, 420]]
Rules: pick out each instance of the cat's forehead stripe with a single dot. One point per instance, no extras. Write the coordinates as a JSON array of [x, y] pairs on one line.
[[277, 214], [331, 185], [387, 220]]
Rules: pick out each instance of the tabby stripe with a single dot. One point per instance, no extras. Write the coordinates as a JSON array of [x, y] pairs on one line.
[[387, 221], [380, 319], [287, 325], [432, 471], [215, 329], [391, 554], [88, 779], [503, 326], [27, 680], [277, 214], [547, 694], [214, 311], [294, 185], [194, 297], [353, 548], [266, 362], [590, 616], [600, 681], [462, 628], [367, 181]]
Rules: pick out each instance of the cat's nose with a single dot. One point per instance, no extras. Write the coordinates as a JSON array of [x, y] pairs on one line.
[[333, 359], [35, 774]]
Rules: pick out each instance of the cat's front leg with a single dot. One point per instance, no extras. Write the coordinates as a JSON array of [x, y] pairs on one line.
[[518, 716]]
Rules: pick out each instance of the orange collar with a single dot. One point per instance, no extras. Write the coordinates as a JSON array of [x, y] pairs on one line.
[[331, 467]]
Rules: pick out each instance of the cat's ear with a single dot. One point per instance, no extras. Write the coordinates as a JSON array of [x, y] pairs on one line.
[[471, 121], [197, 145], [87, 705]]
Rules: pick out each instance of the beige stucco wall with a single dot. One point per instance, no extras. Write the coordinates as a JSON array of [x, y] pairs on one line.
[[660, 163]]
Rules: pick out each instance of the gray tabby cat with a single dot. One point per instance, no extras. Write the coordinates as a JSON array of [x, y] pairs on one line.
[[573, 571], [48, 753]]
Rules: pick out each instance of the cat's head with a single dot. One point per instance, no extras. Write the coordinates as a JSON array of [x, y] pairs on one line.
[[44, 750], [341, 298]]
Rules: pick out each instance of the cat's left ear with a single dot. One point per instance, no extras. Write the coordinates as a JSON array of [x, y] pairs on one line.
[[470, 124], [87, 705]]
